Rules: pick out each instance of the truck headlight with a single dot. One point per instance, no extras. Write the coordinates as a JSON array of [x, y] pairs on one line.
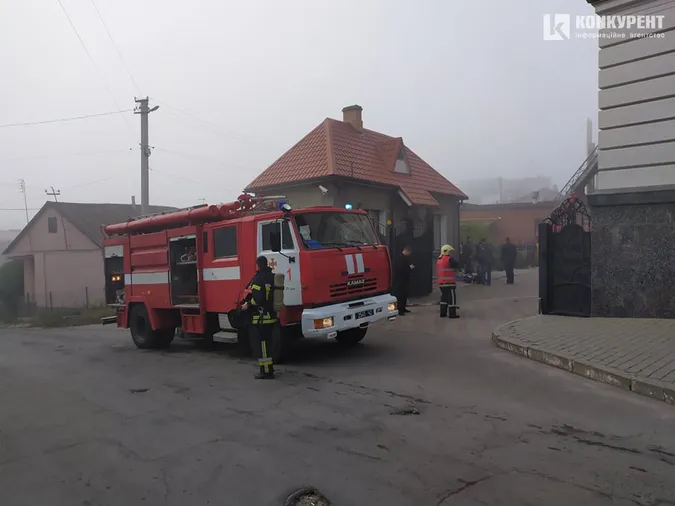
[[391, 307], [323, 323]]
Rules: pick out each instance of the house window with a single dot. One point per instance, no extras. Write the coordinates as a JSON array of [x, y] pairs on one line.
[[401, 164], [52, 226], [225, 242]]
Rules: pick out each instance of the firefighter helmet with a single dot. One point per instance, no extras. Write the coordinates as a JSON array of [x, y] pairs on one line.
[[446, 250]]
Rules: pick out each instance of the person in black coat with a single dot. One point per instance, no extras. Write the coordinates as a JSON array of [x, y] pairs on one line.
[[508, 258], [402, 274], [259, 305]]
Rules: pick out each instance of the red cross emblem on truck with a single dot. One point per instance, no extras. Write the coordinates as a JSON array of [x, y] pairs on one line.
[[272, 263]]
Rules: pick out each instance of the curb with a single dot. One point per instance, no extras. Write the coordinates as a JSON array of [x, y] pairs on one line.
[[646, 387]]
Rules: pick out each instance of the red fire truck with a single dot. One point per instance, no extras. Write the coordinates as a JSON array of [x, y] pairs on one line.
[[188, 269]]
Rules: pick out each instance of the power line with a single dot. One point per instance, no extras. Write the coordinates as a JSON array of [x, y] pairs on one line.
[[29, 123], [124, 63], [200, 157], [91, 59], [213, 127], [171, 174], [66, 155]]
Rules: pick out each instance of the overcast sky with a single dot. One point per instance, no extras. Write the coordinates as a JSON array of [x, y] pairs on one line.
[[471, 87]]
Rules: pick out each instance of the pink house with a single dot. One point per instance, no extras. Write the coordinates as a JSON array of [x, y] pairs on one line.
[[62, 253]]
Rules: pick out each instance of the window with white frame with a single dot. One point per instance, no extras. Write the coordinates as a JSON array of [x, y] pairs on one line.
[[401, 165]]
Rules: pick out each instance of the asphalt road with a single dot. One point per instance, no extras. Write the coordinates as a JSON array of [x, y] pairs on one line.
[[87, 419]]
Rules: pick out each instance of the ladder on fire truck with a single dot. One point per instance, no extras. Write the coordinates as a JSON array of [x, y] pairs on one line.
[[582, 177]]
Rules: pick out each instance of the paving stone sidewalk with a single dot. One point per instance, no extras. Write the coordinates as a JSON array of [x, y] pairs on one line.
[[631, 353]]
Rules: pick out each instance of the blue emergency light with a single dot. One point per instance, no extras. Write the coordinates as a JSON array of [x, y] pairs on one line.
[[348, 207]]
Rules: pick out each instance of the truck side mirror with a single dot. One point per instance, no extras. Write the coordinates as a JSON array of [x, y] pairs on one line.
[[275, 240]]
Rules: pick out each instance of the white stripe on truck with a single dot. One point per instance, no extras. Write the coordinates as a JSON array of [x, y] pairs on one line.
[[162, 278], [222, 274], [359, 263], [147, 278], [360, 267], [350, 263]]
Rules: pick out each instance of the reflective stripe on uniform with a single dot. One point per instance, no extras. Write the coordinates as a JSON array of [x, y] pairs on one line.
[[265, 362], [266, 319], [255, 287]]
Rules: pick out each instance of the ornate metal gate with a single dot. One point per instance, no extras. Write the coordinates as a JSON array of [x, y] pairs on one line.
[[422, 244], [565, 261]]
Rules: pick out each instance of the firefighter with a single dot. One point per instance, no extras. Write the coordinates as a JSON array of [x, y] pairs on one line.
[[259, 302], [445, 270]]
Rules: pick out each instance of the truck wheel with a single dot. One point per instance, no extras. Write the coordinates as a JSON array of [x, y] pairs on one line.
[[352, 336], [141, 331]]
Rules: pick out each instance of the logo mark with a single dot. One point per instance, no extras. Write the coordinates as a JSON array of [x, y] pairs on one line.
[[557, 26], [272, 263], [356, 282]]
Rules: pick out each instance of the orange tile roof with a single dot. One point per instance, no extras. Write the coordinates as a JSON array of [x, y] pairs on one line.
[[335, 148]]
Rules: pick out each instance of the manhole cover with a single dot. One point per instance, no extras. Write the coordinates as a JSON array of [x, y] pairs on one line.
[[307, 497]]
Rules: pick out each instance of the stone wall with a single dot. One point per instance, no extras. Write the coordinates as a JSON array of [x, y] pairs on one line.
[[633, 258]]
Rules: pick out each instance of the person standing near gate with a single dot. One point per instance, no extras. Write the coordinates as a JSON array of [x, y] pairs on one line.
[[259, 302], [445, 270], [484, 261], [468, 251], [402, 275], [508, 258]]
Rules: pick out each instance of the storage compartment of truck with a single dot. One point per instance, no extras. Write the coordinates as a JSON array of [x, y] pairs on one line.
[[184, 279]]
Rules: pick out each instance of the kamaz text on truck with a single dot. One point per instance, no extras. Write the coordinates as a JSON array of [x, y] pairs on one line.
[[189, 268]]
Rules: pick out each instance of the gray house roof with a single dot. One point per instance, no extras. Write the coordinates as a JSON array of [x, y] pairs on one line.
[[88, 218]]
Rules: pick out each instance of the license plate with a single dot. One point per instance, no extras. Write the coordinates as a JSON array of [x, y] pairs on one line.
[[364, 314]]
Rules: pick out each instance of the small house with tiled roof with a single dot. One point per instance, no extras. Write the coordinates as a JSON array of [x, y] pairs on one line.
[[341, 163], [62, 253]]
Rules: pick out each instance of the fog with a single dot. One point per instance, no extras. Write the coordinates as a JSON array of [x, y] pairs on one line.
[[471, 87]]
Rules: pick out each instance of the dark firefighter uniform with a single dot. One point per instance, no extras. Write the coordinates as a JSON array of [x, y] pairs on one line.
[[445, 270], [263, 317]]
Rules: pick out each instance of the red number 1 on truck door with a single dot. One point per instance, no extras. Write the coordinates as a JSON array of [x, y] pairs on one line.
[[288, 272]]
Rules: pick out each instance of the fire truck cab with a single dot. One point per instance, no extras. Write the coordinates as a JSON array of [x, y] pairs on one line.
[[188, 270]]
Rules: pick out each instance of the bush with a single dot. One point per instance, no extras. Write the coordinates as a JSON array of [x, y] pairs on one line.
[[11, 289]]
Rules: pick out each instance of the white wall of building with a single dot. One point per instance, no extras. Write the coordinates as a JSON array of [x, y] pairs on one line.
[[637, 84]]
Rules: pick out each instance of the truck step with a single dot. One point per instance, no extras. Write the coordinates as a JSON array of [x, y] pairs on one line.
[[225, 337]]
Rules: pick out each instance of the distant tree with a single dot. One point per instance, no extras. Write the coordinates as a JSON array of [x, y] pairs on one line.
[[11, 289]]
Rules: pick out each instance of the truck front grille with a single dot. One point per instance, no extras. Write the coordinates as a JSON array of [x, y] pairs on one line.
[[342, 289]]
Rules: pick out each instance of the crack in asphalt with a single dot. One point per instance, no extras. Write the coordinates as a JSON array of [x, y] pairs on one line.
[[465, 485]]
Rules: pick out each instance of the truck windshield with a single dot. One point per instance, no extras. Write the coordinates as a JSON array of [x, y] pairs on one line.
[[335, 230]]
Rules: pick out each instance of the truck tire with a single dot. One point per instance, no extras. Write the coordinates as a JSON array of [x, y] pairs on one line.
[[351, 337], [145, 338]]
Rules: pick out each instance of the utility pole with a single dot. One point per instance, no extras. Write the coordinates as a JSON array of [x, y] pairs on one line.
[[143, 108], [55, 193], [22, 185]]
